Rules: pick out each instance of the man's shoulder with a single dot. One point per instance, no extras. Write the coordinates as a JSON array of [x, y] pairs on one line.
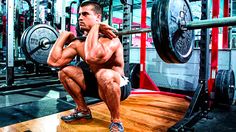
[[105, 39]]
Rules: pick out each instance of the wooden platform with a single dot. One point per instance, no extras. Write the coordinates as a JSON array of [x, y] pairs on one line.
[[149, 112]]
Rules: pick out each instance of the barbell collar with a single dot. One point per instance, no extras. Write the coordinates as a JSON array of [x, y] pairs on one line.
[[216, 22], [48, 42]]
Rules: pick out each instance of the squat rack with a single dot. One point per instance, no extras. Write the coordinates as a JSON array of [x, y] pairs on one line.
[[200, 104]]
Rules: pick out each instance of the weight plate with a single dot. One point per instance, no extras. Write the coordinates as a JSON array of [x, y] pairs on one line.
[[172, 44], [225, 87], [31, 42]]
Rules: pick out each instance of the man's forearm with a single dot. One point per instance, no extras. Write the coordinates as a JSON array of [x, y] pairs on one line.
[[57, 49], [93, 49], [92, 39]]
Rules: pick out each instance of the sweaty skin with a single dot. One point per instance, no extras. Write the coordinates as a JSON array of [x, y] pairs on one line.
[[104, 55]]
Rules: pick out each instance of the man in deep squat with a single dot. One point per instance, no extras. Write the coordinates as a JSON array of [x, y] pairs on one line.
[[104, 76]]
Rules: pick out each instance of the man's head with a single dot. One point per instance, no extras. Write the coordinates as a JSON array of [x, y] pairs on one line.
[[90, 13]]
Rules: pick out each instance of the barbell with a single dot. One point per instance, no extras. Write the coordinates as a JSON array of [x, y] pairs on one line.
[[171, 26]]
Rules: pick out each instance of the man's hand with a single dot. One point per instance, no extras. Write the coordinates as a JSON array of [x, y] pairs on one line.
[[69, 35], [107, 30]]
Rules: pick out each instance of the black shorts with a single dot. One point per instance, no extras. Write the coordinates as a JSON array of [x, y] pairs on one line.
[[92, 86]]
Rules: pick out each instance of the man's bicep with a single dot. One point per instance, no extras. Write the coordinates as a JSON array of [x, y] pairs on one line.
[[65, 58], [68, 54]]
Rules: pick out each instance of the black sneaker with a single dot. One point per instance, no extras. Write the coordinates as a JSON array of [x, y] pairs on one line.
[[116, 127], [77, 115]]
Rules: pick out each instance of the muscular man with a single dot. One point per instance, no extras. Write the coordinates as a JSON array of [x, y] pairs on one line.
[[102, 76]]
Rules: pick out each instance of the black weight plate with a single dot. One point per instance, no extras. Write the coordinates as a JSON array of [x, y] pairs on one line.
[[161, 50], [134, 76], [31, 41], [218, 85], [172, 44], [229, 87], [225, 87]]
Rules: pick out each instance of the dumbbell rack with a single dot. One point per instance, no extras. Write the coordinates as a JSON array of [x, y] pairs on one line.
[[199, 106]]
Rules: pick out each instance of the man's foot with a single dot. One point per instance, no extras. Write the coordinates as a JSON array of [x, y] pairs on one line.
[[77, 115], [116, 127]]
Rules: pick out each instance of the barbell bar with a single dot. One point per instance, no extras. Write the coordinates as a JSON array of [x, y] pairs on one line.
[[199, 24], [216, 22], [171, 26], [143, 30]]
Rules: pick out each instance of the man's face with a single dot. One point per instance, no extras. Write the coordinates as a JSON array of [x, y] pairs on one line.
[[87, 17]]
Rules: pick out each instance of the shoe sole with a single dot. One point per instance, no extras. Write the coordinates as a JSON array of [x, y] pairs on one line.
[[86, 117]]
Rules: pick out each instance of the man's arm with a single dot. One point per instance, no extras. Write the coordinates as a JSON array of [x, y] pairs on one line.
[[100, 52], [59, 55]]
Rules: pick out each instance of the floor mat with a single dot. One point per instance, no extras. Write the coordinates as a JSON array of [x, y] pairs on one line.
[[223, 120], [31, 110]]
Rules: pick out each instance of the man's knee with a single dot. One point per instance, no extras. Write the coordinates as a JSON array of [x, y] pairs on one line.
[[67, 71], [70, 69], [108, 79], [106, 75], [62, 72], [61, 75]]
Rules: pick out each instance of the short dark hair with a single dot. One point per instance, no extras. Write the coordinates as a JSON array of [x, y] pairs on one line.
[[96, 6]]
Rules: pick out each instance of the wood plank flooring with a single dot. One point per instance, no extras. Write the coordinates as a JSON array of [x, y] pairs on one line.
[[139, 113]]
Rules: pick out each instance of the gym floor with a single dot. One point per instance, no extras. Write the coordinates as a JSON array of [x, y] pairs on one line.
[[31, 103]]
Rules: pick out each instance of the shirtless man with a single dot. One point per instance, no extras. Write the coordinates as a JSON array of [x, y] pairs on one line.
[[102, 76]]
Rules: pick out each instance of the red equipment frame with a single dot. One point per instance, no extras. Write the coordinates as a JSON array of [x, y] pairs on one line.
[[145, 81]]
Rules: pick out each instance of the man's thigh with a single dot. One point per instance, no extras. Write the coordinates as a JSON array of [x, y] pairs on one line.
[[91, 86]]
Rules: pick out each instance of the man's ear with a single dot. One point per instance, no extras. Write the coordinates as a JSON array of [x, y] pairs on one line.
[[99, 16]]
